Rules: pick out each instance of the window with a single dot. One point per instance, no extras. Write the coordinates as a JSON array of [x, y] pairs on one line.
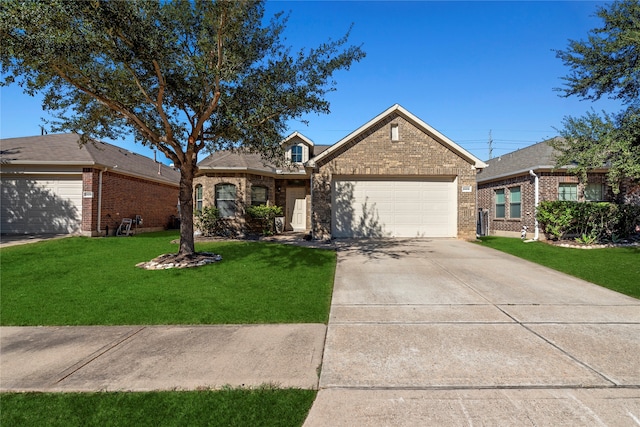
[[226, 200], [514, 202], [198, 198], [296, 154], [259, 195], [499, 203], [593, 192], [568, 192], [395, 132]]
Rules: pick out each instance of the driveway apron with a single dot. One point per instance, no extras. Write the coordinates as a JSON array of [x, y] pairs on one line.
[[446, 332]]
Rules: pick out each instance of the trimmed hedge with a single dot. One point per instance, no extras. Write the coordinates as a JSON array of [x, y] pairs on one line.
[[601, 221]]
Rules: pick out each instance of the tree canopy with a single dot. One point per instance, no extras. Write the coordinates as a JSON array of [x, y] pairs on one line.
[[606, 64], [183, 76]]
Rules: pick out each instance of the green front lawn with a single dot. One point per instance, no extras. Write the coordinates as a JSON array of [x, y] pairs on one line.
[[235, 407], [89, 281], [615, 268]]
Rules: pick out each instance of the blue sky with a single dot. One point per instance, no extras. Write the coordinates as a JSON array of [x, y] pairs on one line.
[[465, 68]]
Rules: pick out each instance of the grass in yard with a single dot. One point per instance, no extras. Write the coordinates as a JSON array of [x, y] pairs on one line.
[[94, 281], [233, 407], [615, 268]]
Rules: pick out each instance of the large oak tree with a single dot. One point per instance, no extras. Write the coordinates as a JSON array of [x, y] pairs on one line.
[[183, 76], [606, 64]]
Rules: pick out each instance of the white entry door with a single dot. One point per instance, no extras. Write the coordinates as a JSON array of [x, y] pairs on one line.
[[297, 208]]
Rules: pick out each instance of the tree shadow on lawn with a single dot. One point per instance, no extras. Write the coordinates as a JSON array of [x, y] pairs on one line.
[[285, 255]]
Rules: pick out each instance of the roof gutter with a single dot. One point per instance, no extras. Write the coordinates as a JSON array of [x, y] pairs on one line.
[[49, 163], [518, 172], [273, 174], [541, 168], [84, 165]]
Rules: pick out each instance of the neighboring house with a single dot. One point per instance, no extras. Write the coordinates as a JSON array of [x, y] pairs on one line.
[[395, 176], [51, 184], [507, 189]]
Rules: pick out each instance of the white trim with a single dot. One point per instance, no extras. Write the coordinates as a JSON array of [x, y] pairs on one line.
[[299, 135]]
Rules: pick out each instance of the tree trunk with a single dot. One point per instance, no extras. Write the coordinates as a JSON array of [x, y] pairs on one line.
[[187, 244]]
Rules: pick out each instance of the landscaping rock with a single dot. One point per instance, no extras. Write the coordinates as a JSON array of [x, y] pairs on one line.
[[166, 261]]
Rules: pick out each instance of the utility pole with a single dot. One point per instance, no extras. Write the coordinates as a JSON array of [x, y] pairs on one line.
[[490, 145]]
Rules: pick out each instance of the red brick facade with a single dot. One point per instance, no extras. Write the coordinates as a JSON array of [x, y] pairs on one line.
[[549, 183], [123, 196]]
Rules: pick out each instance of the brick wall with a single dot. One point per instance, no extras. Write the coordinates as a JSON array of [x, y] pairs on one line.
[[508, 225], [125, 197], [630, 191], [548, 184], [243, 183], [415, 154], [90, 205]]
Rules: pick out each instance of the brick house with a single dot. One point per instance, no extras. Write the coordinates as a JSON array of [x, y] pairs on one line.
[[395, 176], [51, 184], [507, 189]]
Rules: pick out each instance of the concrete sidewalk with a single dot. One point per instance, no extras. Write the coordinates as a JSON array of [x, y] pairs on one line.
[[144, 358], [448, 333], [421, 332]]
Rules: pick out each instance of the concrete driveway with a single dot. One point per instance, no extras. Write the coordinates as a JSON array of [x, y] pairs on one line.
[[448, 333]]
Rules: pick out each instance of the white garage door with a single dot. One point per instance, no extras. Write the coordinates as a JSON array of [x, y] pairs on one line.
[[394, 208], [41, 204]]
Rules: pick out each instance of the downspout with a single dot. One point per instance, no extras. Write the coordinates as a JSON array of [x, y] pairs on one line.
[[100, 200], [536, 199]]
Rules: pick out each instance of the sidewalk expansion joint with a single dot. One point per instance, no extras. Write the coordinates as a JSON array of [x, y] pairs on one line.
[[493, 387], [530, 330], [107, 348]]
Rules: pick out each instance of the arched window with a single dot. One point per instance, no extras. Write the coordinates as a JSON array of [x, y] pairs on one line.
[[259, 195], [198, 198], [226, 200]]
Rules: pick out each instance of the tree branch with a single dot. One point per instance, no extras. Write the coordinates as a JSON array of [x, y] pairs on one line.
[[217, 94], [115, 106]]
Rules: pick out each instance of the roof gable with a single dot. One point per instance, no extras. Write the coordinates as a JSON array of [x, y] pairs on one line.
[[424, 127], [296, 138]]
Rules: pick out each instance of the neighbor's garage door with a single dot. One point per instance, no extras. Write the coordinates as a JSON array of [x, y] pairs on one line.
[[38, 204], [394, 208]]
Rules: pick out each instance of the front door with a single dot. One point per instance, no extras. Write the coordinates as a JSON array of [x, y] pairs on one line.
[[297, 208]]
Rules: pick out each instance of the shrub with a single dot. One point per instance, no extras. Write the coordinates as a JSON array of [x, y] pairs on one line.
[[555, 218], [207, 220], [266, 215], [589, 221]]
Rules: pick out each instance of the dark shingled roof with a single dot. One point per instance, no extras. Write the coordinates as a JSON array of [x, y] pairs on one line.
[[64, 149], [237, 160], [226, 160], [537, 156], [317, 149]]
